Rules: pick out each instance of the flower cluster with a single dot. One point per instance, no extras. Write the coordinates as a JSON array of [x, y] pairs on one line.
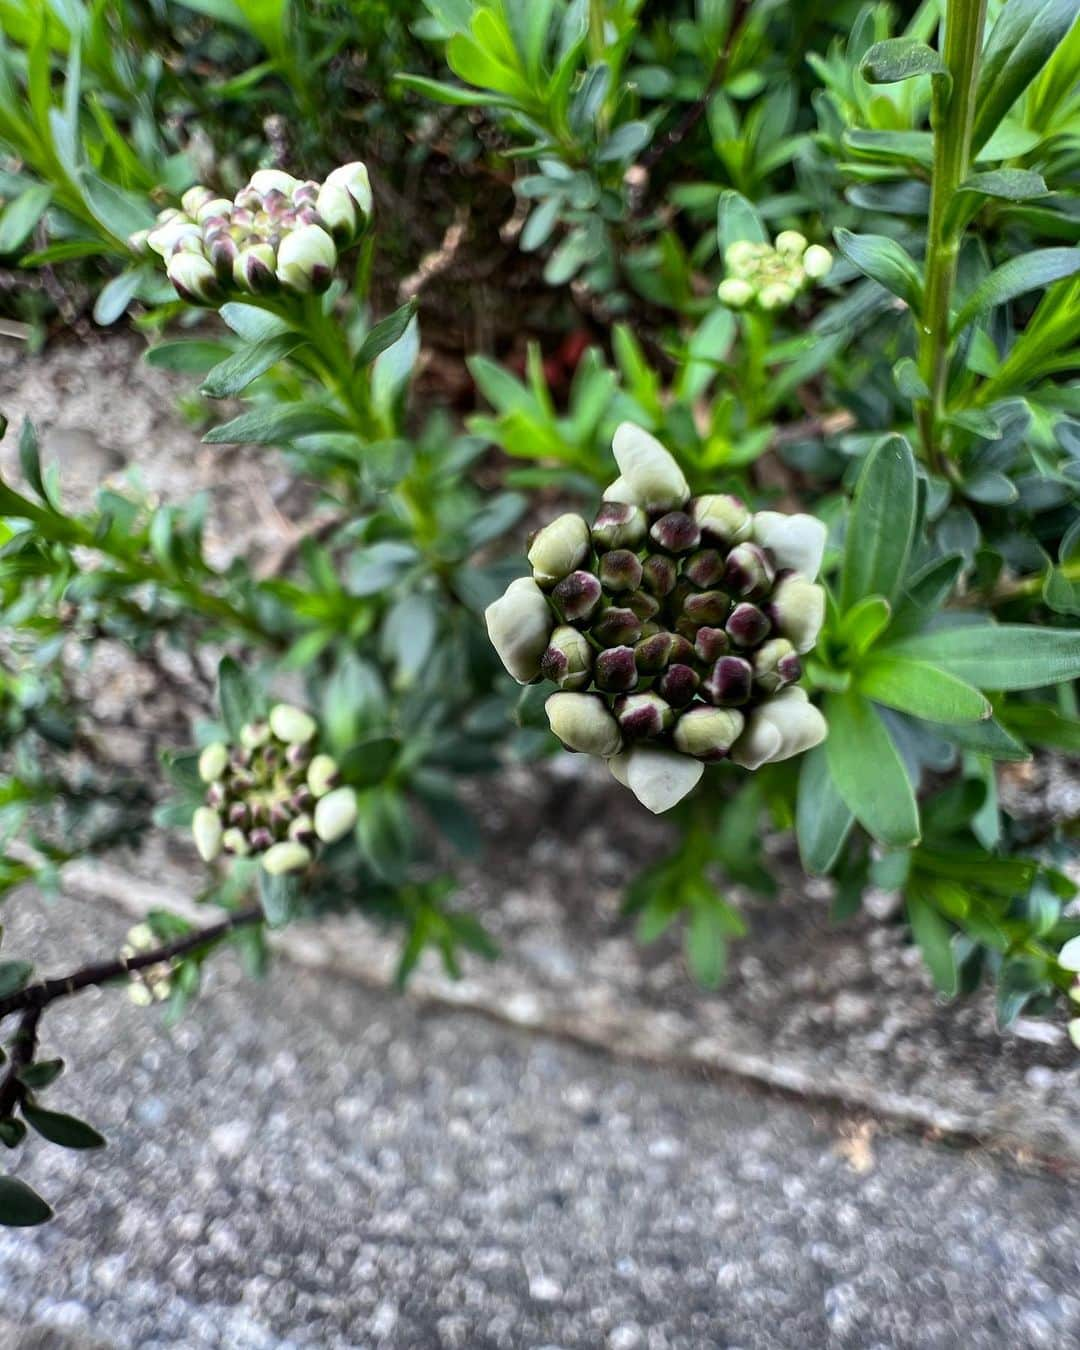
[[154, 984], [277, 233], [770, 276], [673, 627], [272, 796]]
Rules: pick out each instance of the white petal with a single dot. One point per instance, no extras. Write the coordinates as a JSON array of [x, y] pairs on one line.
[[796, 541], [800, 724], [1069, 956], [758, 743], [519, 624], [619, 765], [620, 491], [650, 470], [659, 779]]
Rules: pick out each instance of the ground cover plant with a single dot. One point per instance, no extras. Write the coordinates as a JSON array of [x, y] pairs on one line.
[[759, 482]]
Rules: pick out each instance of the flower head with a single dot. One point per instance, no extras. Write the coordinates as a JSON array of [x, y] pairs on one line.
[[771, 276]]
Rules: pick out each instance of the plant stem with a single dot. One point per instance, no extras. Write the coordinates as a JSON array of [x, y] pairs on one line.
[[952, 119]]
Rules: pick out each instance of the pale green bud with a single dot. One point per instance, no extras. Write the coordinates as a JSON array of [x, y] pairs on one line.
[[568, 659], [741, 256], [519, 624], [254, 269], [797, 611], [817, 262], [254, 735], [721, 519], [288, 856], [215, 206], [139, 242], [707, 733], [235, 841], [212, 761], [582, 722], [796, 542], [735, 293], [292, 725], [335, 814], [776, 295], [194, 198], [273, 180], [559, 549], [164, 239], [306, 259], [194, 278], [790, 244], [338, 211], [322, 775], [354, 179], [207, 829], [649, 471], [659, 779]]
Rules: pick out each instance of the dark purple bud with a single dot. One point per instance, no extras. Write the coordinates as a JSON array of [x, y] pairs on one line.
[[280, 815], [620, 570], [568, 659], [641, 716], [686, 629], [704, 568], [678, 685], [238, 813], [615, 671], [708, 607], [642, 603], [749, 574], [654, 654], [619, 525], [577, 596], [710, 644], [616, 627], [747, 626], [776, 664], [659, 575], [297, 755], [676, 532], [302, 799], [216, 795], [260, 838], [222, 252], [728, 683]]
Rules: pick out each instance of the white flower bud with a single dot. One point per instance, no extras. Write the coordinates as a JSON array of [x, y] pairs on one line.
[[796, 542], [519, 624], [559, 549], [707, 733], [721, 519], [817, 262], [207, 829], [212, 761], [306, 259], [659, 779], [288, 856], [273, 180], [215, 206], [165, 238], [235, 841], [354, 179], [254, 269], [194, 278], [785, 725], [292, 725], [650, 471], [797, 610], [253, 735], [790, 244], [322, 775], [582, 722], [735, 293], [338, 211], [741, 256], [335, 814], [776, 295]]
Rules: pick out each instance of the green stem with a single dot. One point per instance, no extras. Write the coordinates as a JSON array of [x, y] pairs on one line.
[[952, 119]]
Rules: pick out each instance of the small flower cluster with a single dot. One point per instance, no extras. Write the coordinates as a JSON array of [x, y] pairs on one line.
[[770, 276], [272, 796], [154, 984], [672, 627], [278, 233]]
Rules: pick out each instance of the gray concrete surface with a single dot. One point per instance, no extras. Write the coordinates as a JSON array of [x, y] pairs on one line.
[[309, 1163]]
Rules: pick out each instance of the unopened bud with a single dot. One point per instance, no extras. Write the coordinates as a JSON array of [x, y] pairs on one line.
[[747, 625], [722, 519], [194, 278], [254, 734], [255, 269], [288, 856], [215, 208], [619, 525], [659, 575], [234, 841], [790, 244], [676, 532], [817, 262], [641, 716], [301, 828], [519, 625], [322, 775], [213, 761], [577, 596], [582, 722], [306, 260], [620, 570], [748, 573], [735, 293], [679, 684], [338, 211], [782, 726], [728, 684], [354, 179], [165, 238], [797, 610], [292, 725], [707, 733], [615, 671], [650, 473], [704, 568], [776, 295], [194, 198], [616, 626], [222, 254], [742, 255], [335, 814], [559, 549], [643, 604], [272, 180], [260, 838], [706, 607], [710, 644], [207, 830], [568, 659], [776, 664]]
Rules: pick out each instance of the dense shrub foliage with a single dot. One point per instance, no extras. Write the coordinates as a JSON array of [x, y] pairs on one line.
[[826, 256]]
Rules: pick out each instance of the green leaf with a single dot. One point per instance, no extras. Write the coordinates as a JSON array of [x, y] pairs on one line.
[[1026, 272], [188, 357], [238, 697], [30, 458], [368, 762], [279, 896], [921, 689], [868, 772], [885, 261], [934, 937], [384, 334], [251, 323], [987, 738], [41, 1073], [116, 295], [736, 220], [59, 1128], [452, 94], [864, 623], [237, 371], [1040, 724], [21, 215], [20, 1205], [998, 656], [706, 945], [908, 380], [1021, 42], [901, 58], [822, 820], [881, 525], [13, 976], [1011, 185], [276, 425]]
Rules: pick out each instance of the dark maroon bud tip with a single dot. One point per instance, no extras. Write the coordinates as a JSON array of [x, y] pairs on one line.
[[577, 596], [789, 668], [615, 671], [676, 532], [620, 570], [641, 716], [748, 573], [238, 814], [710, 644], [747, 625], [704, 568], [652, 653], [619, 525], [642, 603], [678, 685], [616, 627], [729, 682], [659, 575], [707, 607], [260, 838]]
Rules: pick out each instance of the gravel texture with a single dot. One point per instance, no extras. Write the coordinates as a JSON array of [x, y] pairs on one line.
[[312, 1164]]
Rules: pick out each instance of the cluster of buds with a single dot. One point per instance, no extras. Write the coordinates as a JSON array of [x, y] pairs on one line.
[[673, 627], [154, 983], [273, 796], [770, 276], [278, 233]]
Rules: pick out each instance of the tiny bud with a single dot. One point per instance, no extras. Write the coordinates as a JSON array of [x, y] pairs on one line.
[[620, 570], [817, 262], [706, 607], [710, 644], [797, 610], [790, 244], [213, 761], [616, 671], [254, 734], [222, 254], [740, 256], [216, 795], [306, 260], [704, 568], [643, 605], [735, 293], [748, 573], [582, 722], [322, 775], [659, 575], [194, 279], [288, 856], [776, 295], [619, 525], [207, 829], [214, 208], [676, 532], [577, 596], [260, 838], [302, 799], [642, 715], [776, 664], [194, 198], [234, 841], [679, 684], [255, 269], [707, 733], [652, 654], [616, 626], [568, 659], [559, 549], [722, 519], [297, 756], [292, 725], [139, 242], [302, 828], [729, 682], [747, 625], [238, 813], [335, 814]]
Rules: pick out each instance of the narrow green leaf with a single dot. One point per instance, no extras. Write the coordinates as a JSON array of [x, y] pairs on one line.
[[901, 58], [737, 219], [921, 689], [41, 1073], [881, 524], [998, 656], [885, 261], [59, 1128], [1026, 272], [864, 623], [908, 380], [987, 738], [384, 334], [822, 820], [238, 697], [237, 371], [21, 215], [1021, 42], [934, 937], [454, 95], [13, 976], [20, 1205], [868, 772], [1040, 724], [276, 425], [115, 296], [1010, 185]]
